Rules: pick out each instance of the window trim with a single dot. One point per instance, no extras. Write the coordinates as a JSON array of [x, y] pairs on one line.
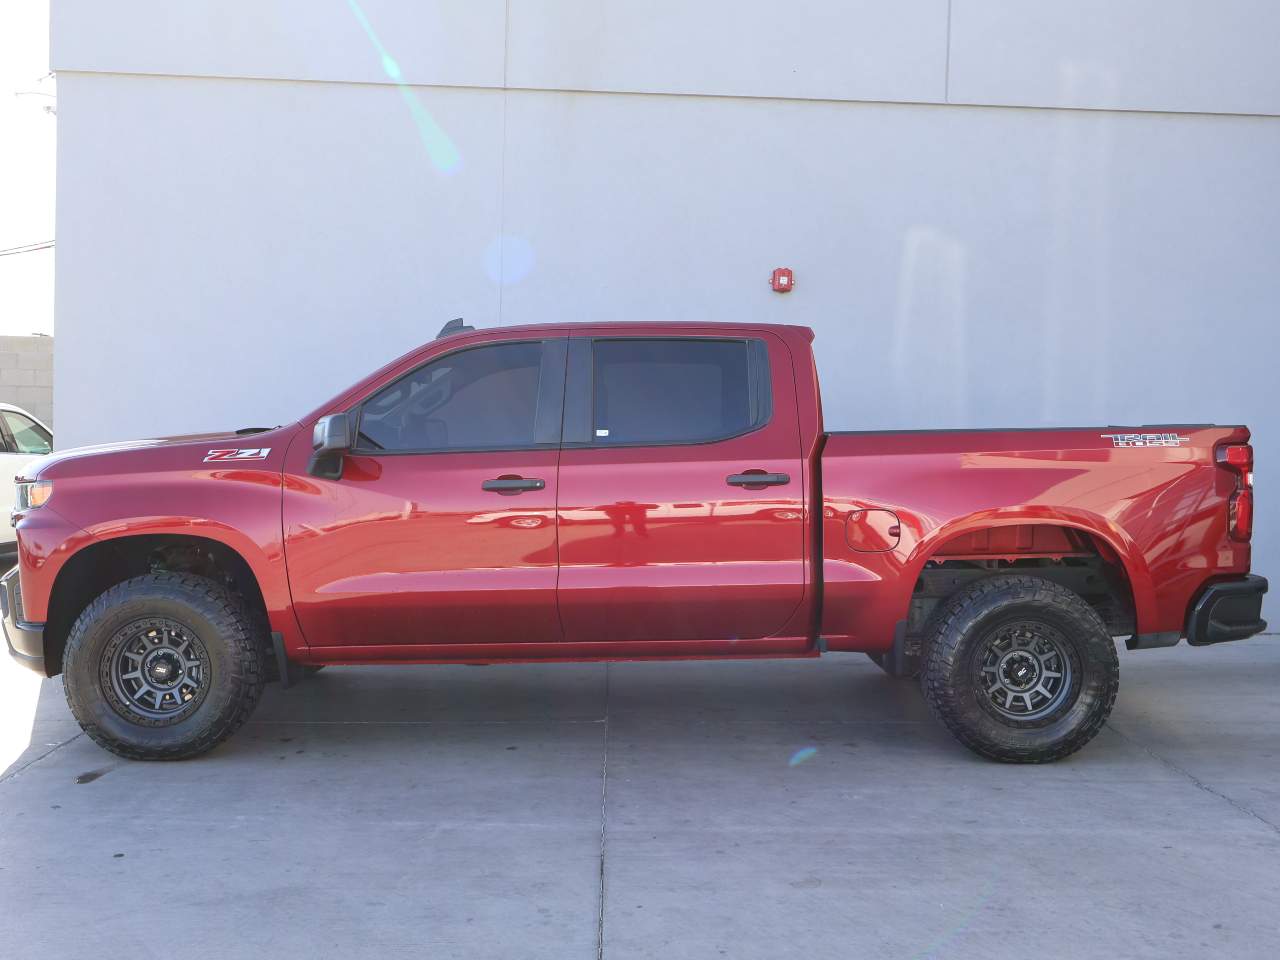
[[580, 391], [551, 392]]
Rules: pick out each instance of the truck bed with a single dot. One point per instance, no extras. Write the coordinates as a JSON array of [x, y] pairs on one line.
[[1151, 499]]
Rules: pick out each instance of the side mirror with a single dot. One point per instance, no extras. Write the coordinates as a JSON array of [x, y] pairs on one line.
[[330, 439]]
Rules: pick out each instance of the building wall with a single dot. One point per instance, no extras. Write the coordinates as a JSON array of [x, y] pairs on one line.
[[999, 213], [26, 374]]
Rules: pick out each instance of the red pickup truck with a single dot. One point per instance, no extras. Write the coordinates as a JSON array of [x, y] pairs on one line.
[[624, 492]]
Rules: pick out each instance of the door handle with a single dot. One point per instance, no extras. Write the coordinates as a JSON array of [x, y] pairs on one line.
[[513, 484], [760, 479]]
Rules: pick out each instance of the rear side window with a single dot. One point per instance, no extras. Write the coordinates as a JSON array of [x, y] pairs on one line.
[[678, 391], [494, 397], [28, 436]]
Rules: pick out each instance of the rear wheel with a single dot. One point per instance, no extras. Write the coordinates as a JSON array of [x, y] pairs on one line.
[[1020, 669], [163, 667]]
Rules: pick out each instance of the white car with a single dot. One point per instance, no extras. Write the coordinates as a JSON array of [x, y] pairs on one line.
[[23, 438]]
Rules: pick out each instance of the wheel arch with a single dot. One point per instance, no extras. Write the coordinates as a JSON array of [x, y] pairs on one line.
[[1112, 544], [105, 561]]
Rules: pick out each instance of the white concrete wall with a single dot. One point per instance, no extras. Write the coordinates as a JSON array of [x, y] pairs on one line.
[[998, 212], [26, 375]]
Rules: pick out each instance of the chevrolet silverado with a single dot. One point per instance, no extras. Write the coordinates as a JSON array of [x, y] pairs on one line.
[[624, 492]]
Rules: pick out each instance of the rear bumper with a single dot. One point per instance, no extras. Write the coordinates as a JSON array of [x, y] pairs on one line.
[[1230, 610], [24, 640]]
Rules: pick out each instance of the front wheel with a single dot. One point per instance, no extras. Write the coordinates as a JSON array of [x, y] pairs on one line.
[[1020, 669], [163, 667]]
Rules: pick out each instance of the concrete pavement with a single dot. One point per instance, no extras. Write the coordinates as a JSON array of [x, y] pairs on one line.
[[744, 810]]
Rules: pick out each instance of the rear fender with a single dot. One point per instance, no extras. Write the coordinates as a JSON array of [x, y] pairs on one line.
[[1125, 551], [867, 595]]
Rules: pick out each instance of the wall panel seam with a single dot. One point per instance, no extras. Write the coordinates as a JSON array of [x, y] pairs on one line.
[[746, 97], [946, 69]]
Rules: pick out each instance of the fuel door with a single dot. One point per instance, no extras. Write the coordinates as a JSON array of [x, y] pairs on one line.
[[872, 530]]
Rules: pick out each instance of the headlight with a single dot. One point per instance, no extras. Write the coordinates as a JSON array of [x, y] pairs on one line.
[[33, 493]]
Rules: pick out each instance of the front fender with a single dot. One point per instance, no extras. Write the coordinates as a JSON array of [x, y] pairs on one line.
[[239, 509]]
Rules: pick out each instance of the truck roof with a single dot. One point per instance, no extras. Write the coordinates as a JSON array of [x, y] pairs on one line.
[[788, 332], [626, 326]]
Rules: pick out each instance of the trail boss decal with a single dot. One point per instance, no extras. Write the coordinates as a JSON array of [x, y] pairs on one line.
[[1146, 439], [250, 453]]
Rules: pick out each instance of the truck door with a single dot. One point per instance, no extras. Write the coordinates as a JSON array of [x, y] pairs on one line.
[[441, 529], [681, 489]]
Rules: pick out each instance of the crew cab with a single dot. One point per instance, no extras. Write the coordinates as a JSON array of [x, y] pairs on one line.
[[624, 492]]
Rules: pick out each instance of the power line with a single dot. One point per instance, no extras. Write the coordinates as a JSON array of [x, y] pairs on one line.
[[28, 248]]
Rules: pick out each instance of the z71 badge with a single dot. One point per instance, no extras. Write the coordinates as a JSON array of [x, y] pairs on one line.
[[251, 453], [1146, 439]]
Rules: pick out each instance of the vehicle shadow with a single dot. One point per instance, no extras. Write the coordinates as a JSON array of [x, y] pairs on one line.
[[840, 687], [673, 702], [373, 704]]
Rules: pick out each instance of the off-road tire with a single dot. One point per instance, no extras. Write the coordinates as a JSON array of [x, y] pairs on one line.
[[235, 667], [952, 678]]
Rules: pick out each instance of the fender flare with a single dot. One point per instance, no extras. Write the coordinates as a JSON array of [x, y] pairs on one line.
[[1131, 559], [267, 565]]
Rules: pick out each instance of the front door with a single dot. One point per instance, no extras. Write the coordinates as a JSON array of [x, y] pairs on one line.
[[681, 490], [441, 529]]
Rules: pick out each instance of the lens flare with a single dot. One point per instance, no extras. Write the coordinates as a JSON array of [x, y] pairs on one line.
[[508, 259], [801, 755], [442, 150], [963, 923]]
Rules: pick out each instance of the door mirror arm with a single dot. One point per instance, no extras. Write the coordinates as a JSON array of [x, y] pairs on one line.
[[331, 439]]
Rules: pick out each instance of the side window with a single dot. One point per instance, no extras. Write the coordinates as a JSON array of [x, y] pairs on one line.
[[480, 398], [28, 436], [678, 391]]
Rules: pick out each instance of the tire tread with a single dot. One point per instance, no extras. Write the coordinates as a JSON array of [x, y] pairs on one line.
[[230, 617], [961, 613]]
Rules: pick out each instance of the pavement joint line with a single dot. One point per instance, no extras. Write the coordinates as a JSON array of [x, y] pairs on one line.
[[604, 814], [34, 760], [639, 714], [420, 723], [810, 721], [1196, 781]]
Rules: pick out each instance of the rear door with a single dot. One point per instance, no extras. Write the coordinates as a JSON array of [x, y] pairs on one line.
[[441, 530], [681, 502]]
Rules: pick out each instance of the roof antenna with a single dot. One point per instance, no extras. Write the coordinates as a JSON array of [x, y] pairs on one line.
[[453, 326]]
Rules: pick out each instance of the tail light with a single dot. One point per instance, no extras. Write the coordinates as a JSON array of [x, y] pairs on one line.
[[1238, 458]]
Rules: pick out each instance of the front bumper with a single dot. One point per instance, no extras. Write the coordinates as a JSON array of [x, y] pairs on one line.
[[1230, 610], [25, 640]]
